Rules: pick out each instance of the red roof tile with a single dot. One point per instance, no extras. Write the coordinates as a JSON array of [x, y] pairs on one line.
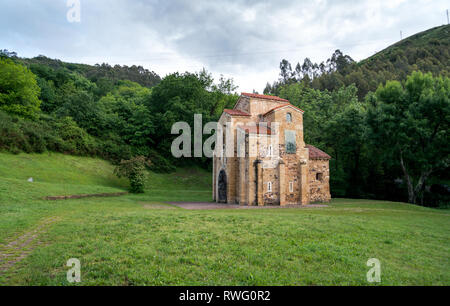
[[315, 153], [257, 96], [235, 112], [256, 129], [280, 106]]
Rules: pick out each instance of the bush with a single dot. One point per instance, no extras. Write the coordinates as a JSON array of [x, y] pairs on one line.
[[135, 170], [113, 149], [161, 164], [12, 138], [34, 135]]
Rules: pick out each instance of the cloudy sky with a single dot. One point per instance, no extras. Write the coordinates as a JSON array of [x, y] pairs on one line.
[[242, 39]]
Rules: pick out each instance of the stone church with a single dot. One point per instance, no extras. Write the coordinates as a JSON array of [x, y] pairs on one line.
[[269, 163]]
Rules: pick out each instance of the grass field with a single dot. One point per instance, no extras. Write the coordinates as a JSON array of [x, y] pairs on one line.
[[139, 240]]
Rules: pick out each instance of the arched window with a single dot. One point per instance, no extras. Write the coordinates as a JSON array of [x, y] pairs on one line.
[[288, 117]]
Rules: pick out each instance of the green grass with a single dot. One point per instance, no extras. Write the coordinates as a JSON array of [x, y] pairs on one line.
[[139, 240]]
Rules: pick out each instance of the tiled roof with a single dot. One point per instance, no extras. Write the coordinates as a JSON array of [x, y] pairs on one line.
[[257, 96], [315, 153], [235, 112], [280, 106], [256, 129]]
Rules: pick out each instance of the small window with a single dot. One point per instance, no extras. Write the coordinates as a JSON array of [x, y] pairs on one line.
[[269, 187], [319, 176], [291, 186], [270, 151], [288, 117]]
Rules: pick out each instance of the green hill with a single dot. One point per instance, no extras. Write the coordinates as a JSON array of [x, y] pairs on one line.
[[426, 51], [58, 174]]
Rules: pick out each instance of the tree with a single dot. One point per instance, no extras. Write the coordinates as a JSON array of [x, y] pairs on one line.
[[5, 53], [285, 71], [19, 91], [344, 133], [411, 123], [134, 169]]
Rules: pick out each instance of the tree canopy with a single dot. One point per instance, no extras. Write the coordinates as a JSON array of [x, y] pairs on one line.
[[19, 91]]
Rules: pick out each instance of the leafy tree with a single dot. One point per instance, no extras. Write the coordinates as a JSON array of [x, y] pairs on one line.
[[81, 106], [19, 92], [344, 134], [179, 97], [411, 123], [125, 114]]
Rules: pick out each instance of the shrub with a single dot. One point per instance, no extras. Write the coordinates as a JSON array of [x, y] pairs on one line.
[[135, 170], [112, 148], [34, 134], [161, 164], [11, 136]]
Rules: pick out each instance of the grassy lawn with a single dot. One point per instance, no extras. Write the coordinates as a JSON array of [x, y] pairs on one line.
[[139, 240]]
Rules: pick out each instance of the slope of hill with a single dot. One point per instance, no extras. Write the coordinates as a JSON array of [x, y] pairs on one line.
[[59, 174], [427, 51]]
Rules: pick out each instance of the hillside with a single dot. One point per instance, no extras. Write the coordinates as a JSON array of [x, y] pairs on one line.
[[427, 51], [58, 174]]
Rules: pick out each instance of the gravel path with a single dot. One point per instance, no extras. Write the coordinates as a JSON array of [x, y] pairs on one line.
[[205, 205]]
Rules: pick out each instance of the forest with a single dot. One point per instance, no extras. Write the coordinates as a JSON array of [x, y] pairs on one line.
[[384, 120]]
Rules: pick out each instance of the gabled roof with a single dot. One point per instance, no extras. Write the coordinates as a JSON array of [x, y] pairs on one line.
[[256, 129], [282, 106], [257, 96], [315, 153], [235, 112]]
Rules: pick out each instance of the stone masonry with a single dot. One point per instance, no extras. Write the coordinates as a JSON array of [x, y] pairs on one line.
[[271, 164]]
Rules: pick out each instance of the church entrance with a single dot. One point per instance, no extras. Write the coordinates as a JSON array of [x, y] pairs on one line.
[[222, 182]]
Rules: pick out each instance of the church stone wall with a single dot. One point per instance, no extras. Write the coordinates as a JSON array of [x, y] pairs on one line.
[[294, 177], [319, 181]]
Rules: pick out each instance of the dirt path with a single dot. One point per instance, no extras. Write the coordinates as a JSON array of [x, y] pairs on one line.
[[19, 248], [202, 206]]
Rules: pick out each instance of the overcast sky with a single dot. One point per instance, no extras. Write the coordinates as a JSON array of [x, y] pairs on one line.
[[242, 39]]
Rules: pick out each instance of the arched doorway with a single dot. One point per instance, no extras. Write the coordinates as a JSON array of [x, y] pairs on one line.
[[222, 182]]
